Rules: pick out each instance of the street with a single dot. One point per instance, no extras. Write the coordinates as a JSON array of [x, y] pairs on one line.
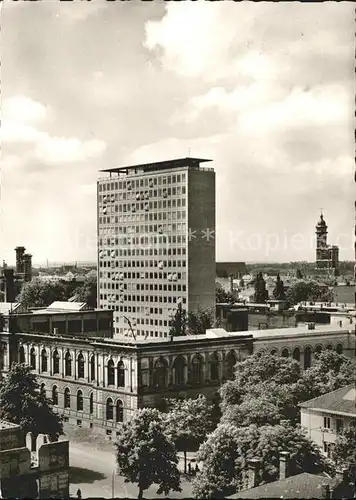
[[93, 472]]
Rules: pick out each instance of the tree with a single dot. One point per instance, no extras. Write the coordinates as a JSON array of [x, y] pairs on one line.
[[262, 382], [22, 402], [224, 297], [87, 292], [41, 293], [178, 322], [329, 372], [344, 451], [278, 292], [145, 455], [201, 320], [187, 423], [299, 274], [308, 291], [261, 294], [228, 449]]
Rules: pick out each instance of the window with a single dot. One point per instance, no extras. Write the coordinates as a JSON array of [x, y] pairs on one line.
[[111, 373], [119, 411], [307, 357], [55, 395], [231, 360], [22, 354], [296, 354], [197, 370], [33, 358], [80, 366], [79, 400], [121, 374], [91, 403], [44, 361], [43, 389], [214, 366], [285, 353], [92, 368], [339, 425], [66, 398], [339, 348], [326, 423], [67, 365], [55, 359], [160, 373], [179, 370], [109, 409]]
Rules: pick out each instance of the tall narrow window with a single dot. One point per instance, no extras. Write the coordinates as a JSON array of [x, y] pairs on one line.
[[81, 366], [296, 354], [55, 358], [111, 372], [119, 411], [214, 366], [79, 400], [92, 368], [68, 364], [109, 409], [66, 398], [55, 395], [307, 357], [33, 358], [285, 353], [160, 373], [121, 374], [197, 370], [91, 403], [43, 389], [231, 360], [44, 360], [179, 370], [22, 354]]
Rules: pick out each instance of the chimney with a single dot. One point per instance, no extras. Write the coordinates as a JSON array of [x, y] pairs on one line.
[[253, 472], [325, 491], [283, 464]]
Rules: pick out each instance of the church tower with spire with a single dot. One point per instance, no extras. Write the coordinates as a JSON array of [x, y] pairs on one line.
[[327, 257]]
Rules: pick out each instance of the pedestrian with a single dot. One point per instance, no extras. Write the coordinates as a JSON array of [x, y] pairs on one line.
[[196, 468], [189, 468], [79, 494]]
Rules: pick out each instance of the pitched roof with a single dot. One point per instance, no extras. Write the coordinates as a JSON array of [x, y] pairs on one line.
[[340, 401], [303, 485], [66, 306], [7, 307]]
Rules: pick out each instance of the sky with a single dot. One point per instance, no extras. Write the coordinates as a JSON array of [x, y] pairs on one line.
[[265, 90]]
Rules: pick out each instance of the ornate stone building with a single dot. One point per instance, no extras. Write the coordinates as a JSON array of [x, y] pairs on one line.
[[98, 383]]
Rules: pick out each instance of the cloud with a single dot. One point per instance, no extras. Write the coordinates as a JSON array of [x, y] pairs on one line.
[[67, 150], [20, 110], [23, 109]]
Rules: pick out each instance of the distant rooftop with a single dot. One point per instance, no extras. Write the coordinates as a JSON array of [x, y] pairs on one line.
[[340, 401], [4, 424], [8, 307], [159, 165]]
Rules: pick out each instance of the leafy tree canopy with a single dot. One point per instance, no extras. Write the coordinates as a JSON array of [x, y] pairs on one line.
[[87, 292], [22, 402], [344, 452], [224, 297], [226, 452], [308, 291], [145, 455], [188, 422], [41, 293]]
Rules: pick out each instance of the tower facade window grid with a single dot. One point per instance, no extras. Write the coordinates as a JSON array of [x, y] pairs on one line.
[[144, 229]]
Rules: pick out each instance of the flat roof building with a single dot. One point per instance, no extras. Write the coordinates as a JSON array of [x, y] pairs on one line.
[[156, 243]]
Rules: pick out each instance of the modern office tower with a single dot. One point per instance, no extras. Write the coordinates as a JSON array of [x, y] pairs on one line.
[[156, 243]]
